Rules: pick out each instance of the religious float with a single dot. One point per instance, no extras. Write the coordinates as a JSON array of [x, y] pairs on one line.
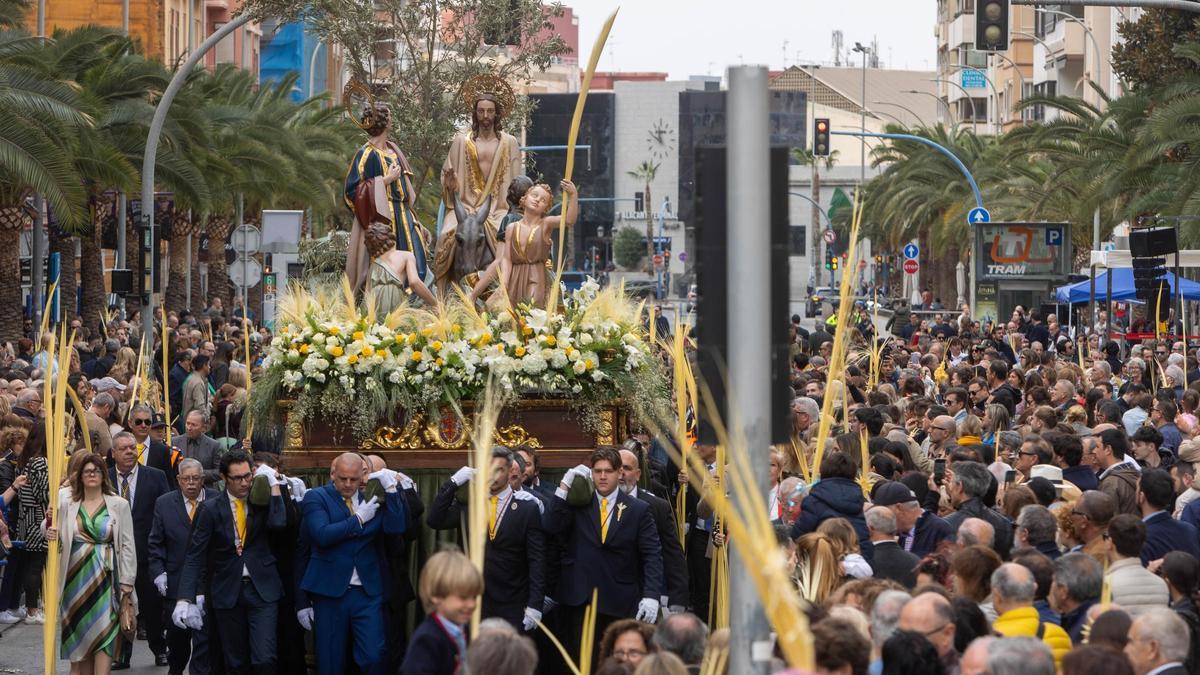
[[406, 385]]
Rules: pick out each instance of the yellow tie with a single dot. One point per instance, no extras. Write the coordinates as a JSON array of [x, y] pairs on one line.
[[492, 517], [349, 505], [191, 509], [239, 516], [141, 450], [603, 518]]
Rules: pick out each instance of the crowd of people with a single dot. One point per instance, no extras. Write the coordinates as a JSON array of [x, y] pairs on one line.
[[1031, 509]]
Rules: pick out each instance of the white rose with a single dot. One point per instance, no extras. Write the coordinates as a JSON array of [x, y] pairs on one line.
[[579, 366]]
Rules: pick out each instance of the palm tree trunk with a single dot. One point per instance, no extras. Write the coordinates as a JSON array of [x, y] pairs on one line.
[[197, 290], [68, 288], [13, 220], [91, 274], [176, 296], [219, 285]]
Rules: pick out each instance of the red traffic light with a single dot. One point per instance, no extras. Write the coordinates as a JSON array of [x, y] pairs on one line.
[[822, 125]]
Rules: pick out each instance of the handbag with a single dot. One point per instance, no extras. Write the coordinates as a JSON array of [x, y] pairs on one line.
[[127, 616]]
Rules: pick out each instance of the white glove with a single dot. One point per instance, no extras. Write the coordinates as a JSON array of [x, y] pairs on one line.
[[194, 618], [179, 614], [583, 470], [406, 483], [305, 617], [569, 477], [297, 488], [524, 496], [365, 511], [532, 616], [386, 478], [200, 603], [647, 610], [463, 476], [548, 604], [271, 474], [160, 582]]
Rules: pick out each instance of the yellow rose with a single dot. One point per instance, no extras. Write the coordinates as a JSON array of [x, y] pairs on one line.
[[520, 351], [551, 340], [368, 350], [352, 359], [426, 332], [335, 351], [437, 345], [417, 356], [500, 348], [485, 338], [526, 331], [440, 361], [587, 364], [568, 350], [333, 330], [456, 328], [358, 335], [410, 338], [304, 348]]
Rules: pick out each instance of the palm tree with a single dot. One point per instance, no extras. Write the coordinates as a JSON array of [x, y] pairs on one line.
[[646, 172]]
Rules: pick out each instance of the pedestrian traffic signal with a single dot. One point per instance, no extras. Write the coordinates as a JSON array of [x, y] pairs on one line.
[[821, 137], [991, 26]]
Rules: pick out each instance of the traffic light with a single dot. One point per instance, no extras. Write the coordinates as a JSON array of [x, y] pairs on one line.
[[991, 25], [821, 137]]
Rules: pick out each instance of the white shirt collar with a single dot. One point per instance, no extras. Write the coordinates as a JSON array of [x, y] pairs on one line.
[[1164, 667], [503, 495]]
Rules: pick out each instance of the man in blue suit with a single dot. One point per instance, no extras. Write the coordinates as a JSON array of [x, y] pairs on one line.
[[1156, 499], [343, 578], [229, 562], [140, 485], [611, 545], [174, 513]]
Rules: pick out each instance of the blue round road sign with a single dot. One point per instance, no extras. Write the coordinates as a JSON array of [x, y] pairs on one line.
[[978, 215], [911, 251]]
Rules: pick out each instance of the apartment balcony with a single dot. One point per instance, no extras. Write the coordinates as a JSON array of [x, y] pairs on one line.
[[1068, 42]]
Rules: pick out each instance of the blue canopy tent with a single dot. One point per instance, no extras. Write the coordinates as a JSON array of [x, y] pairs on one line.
[[1122, 288]]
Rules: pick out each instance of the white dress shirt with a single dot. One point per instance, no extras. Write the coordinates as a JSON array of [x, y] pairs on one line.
[[236, 538], [133, 474]]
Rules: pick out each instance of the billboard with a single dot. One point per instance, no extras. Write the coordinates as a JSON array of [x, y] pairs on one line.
[[1022, 251]]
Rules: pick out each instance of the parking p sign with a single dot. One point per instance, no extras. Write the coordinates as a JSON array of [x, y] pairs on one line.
[[1054, 236]]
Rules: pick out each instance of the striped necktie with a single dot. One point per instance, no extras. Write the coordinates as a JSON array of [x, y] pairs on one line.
[[125, 486]]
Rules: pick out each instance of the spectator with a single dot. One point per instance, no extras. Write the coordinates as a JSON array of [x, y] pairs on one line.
[[891, 561], [839, 648], [1089, 519], [1158, 643], [1075, 588], [1013, 590], [1182, 573], [1118, 478], [885, 613], [907, 653], [1155, 497], [1095, 660], [627, 641], [971, 482], [971, 571], [1020, 656], [1133, 588], [1037, 528], [683, 635], [662, 663], [502, 654], [932, 615], [836, 495], [1043, 573]]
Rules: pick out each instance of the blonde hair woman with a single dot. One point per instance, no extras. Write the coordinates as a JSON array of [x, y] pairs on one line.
[[817, 571], [125, 366]]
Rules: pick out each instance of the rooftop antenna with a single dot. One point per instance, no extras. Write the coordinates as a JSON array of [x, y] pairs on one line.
[[785, 46], [837, 47]]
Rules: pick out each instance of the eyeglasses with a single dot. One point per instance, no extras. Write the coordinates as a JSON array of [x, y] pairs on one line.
[[239, 479], [140, 422], [90, 472], [1026, 453], [935, 630], [190, 479], [626, 654]]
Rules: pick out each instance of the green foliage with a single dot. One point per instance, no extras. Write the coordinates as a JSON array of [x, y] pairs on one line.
[[1145, 57], [629, 248]]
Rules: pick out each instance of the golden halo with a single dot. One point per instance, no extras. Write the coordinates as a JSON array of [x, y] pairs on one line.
[[356, 87], [488, 83]]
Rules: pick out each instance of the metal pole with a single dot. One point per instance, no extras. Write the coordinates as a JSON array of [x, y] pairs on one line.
[[905, 109], [748, 167], [38, 249], [152, 138], [122, 210], [241, 219], [816, 224], [125, 16], [939, 99], [188, 274], [312, 73], [974, 112], [862, 124], [41, 19]]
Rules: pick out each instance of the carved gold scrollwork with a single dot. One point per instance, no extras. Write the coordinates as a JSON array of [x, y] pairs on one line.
[[515, 435], [606, 435], [407, 437]]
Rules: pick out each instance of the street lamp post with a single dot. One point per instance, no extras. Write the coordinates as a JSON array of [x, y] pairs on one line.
[[939, 99], [974, 112], [905, 109], [1020, 76], [995, 92], [862, 176]]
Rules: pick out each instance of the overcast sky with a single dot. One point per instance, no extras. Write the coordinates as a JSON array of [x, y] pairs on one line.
[[701, 37]]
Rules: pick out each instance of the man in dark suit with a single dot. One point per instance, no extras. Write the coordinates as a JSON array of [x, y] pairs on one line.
[[231, 551], [194, 443], [1159, 640], [174, 513], [921, 531], [141, 486], [1156, 498], [175, 379], [397, 581], [891, 561], [532, 475], [343, 578], [150, 452], [674, 566], [611, 547], [514, 563], [282, 543]]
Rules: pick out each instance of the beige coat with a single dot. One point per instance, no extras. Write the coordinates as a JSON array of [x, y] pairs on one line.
[[1134, 588], [124, 556]]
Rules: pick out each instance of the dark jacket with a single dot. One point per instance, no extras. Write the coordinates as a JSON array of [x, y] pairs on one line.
[[1076, 620], [931, 531], [674, 565], [1121, 482], [1082, 477], [169, 537], [213, 559], [431, 650], [1165, 534], [149, 485], [626, 567], [893, 562], [514, 565], [974, 508], [835, 498]]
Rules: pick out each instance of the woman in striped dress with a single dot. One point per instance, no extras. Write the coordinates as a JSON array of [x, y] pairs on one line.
[[34, 499], [97, 565]]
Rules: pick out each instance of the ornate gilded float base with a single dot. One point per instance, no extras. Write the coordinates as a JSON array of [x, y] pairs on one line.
[[444, 440]]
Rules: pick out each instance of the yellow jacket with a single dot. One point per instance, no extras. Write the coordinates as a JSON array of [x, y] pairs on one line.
[[1024, 622]]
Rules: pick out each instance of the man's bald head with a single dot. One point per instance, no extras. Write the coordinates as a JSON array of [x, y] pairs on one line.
[[975, 531], [347, 473], [376, 463], [931, 615]]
